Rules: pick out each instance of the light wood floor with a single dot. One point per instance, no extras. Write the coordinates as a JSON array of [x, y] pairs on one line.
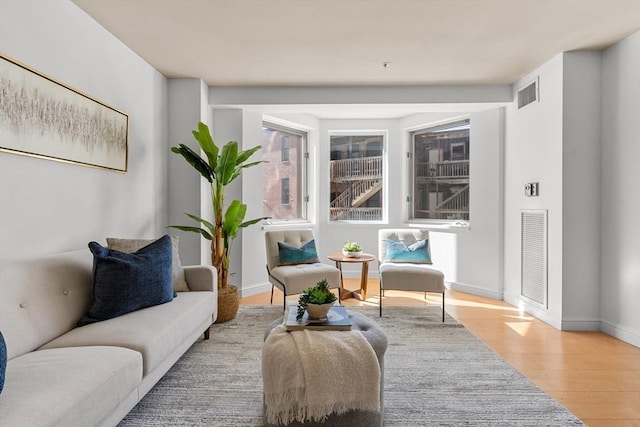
[[595, 376]]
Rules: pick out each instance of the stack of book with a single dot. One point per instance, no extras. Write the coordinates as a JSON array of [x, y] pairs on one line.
[[337, 320]]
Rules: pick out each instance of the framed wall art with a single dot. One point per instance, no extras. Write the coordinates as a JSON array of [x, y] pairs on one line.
[[42, 117]]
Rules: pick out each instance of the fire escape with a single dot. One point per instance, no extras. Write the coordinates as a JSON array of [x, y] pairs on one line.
[[356, 182], [449, 178]]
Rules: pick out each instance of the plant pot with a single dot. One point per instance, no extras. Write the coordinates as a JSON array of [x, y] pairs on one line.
[[349, 254], [228, 303], [318, 311]]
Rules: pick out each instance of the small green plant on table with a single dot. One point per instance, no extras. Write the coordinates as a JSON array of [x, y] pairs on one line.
[[319, 294]]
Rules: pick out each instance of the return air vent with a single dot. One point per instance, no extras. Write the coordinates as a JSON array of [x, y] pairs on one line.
[[533, 261], [528, 94]]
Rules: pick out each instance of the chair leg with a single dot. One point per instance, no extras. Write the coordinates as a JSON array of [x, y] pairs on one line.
[[381, 295], [272, 293], [443, 306]]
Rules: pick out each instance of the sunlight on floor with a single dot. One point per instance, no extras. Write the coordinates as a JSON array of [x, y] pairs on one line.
[[520, 328]]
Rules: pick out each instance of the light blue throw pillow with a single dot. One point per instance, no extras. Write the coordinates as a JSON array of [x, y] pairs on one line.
[[291, 255], [417, 253], [3, 361], [124, 282]]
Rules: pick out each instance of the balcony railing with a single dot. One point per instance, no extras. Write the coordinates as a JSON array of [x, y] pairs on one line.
[[454, 207], [356, 214], [360, 168], [447, 169], [359, 192]]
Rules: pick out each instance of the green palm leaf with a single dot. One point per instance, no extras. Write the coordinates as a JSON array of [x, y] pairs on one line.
[[193, 229]]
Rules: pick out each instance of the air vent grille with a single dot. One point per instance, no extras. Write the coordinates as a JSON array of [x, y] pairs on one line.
[[528, 94], [534, 255]]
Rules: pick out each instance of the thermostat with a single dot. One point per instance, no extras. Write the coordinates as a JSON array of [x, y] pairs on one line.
[[531, 189]]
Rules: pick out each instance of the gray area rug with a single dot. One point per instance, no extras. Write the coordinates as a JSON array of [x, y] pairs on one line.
[[435, 375]]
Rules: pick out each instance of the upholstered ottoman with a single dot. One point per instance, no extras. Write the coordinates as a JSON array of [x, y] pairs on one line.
[[378, 340]]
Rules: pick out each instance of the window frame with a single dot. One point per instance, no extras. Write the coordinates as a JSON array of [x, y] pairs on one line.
[[384, 134], [273, 124], [411, 159]]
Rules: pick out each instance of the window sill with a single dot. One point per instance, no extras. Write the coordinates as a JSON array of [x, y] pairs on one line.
[[451, 227], [269, 225]]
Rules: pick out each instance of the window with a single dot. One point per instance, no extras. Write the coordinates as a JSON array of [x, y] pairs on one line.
[[284, 191], [441, 172], [285, 148], [356, 177]]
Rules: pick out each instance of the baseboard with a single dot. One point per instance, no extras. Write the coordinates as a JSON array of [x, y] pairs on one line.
[[581, 325], [531, 309], [474, 290], [620, 333], [256, 288]]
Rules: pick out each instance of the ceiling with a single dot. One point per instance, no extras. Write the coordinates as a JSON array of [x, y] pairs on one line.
[[346, 42]]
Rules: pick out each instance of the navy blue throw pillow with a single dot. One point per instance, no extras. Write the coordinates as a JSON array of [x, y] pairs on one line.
[[124, 282], [3, 361]]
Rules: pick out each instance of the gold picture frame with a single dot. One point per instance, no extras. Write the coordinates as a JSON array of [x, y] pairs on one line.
[[41, 117]]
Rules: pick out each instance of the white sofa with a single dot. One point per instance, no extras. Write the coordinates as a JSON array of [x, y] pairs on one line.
[[62, 375]]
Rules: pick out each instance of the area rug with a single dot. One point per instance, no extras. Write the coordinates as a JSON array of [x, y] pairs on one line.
[[436, 374]]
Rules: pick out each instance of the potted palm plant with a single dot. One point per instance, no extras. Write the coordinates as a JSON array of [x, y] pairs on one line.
[[220, 168]]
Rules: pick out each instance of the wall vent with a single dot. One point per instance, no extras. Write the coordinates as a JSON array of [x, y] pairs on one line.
[[528, 94], [533, 262]]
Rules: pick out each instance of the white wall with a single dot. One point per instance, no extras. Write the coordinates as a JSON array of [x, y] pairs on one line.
[[48, 206], [620, 209], [480, 247], [581, 129], [533, 153], [187, 189], [557, 142]]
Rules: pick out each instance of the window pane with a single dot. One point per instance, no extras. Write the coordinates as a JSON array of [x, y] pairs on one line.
[[356, 177], [441, 172], [283, 174], [285, 148], [286, 197]]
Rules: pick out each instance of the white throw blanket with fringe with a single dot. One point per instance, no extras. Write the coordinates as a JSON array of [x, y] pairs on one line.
[[309, 375]]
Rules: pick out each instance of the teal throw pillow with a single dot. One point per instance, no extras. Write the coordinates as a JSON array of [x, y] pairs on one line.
[[124, 282], [417, 253], [291, 255], [3, 360]]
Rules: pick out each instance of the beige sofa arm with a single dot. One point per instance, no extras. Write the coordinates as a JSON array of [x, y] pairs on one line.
[[201, 278]]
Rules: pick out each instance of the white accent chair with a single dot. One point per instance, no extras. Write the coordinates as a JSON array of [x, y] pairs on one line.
[[407, 276], [294, 279]]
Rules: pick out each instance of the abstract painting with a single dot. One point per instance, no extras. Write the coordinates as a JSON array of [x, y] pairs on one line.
[[42, 117]]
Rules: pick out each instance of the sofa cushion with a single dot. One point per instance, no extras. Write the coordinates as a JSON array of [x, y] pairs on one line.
[[69, 386], [133, 245], [43, 297], [291, 255], [123, 282], [155, 331], [3, 360], [416, 253]]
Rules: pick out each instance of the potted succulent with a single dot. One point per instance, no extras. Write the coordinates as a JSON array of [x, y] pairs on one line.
[[352, 250], [316, 301], [220, 168]]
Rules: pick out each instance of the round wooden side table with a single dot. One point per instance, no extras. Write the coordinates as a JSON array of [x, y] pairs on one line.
[[364, 259]]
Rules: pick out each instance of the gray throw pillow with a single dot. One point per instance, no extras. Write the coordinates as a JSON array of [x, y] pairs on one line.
[[132, 245]]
